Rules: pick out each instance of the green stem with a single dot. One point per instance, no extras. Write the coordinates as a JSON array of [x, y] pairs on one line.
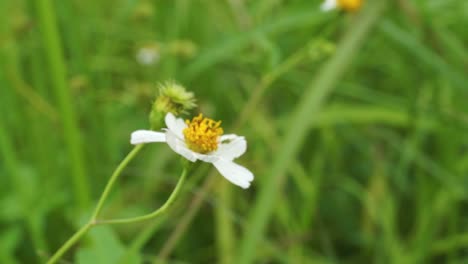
[[92, 222], [154, 214], [48, 27], [112, 180], [70, 242]]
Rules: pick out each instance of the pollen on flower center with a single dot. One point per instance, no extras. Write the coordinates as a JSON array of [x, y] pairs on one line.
[[202, 134], [350, 5]]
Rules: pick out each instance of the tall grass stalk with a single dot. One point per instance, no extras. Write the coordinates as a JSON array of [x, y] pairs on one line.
[[57, 69], [301, 120]]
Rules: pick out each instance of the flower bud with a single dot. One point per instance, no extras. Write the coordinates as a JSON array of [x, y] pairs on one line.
[[172, 98]]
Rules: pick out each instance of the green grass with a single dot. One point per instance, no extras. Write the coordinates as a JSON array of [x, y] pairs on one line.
[[356, 127]]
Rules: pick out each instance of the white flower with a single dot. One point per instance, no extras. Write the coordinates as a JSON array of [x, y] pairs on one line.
[[204, 135], [346, 5], [328, 5], [148, 55]]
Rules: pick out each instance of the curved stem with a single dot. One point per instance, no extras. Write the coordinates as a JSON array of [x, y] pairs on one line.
[[112, 180], [159, 211], [70, 242]]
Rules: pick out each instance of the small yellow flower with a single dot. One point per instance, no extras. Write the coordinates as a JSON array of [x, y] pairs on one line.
[[347, 5]]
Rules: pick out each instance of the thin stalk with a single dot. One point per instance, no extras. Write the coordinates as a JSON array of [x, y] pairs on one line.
[[57, 69], [154, 214], [92, 222], [70, 242], [113, 178]]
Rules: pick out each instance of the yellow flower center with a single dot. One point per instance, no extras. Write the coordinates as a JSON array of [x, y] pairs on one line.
[[350, 5], [202, 134]]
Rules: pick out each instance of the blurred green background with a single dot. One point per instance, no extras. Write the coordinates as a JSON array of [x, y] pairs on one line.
[[356, 125]]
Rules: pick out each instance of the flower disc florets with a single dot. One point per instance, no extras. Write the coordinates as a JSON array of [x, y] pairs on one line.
[[202, 134], [350, 5]]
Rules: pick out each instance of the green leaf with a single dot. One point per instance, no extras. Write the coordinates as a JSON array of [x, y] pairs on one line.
[[104, 247]]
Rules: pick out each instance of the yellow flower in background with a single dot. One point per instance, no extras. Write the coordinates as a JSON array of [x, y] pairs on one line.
[[202, 139], [347, 5]]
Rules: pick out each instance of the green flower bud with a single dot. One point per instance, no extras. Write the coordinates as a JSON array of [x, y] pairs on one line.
[[172, 98]]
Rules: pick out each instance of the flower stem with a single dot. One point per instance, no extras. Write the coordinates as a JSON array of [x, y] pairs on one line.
[[112, 180], [154, 214], [48, 26], [70, 242]]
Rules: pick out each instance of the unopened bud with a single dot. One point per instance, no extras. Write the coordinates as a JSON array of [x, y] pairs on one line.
[[172, 98]]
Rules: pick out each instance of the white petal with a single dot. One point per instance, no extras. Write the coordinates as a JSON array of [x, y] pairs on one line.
[[328, 5], [233, 149], [179, 147], [228, 151], [146, 136], [228, 137], [176, 125], [211, 158], [234, 173]]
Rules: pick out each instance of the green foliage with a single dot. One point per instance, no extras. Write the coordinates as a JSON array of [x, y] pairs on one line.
[[103, 247], [356, 127]]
